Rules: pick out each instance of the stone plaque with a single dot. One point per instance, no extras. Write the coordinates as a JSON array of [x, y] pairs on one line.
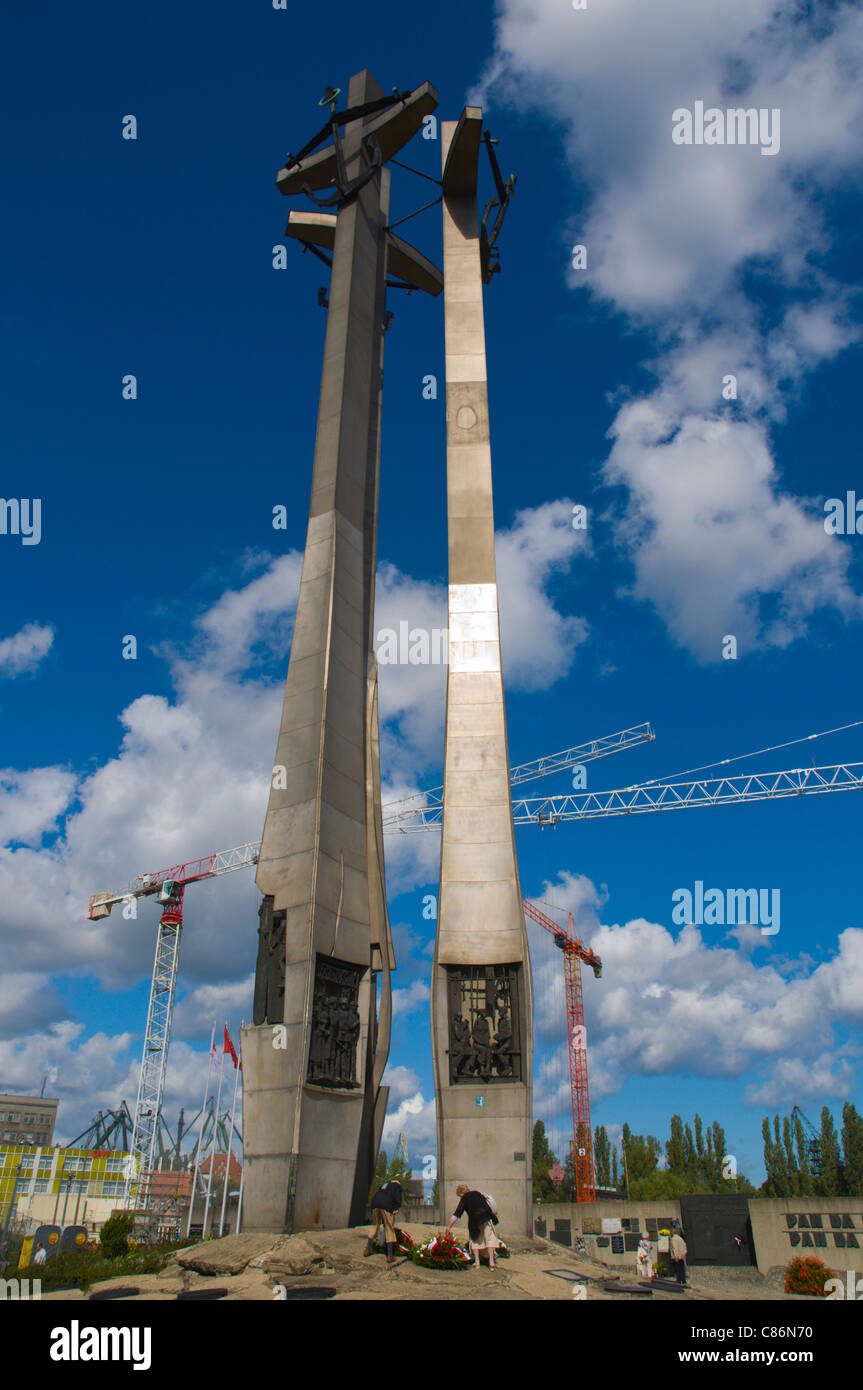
[[484, 1023], [335, 1025]]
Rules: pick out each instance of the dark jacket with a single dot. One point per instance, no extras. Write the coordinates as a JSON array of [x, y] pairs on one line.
[[478, 1212], [388, 1197]]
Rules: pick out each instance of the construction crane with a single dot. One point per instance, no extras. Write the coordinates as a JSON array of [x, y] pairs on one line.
[[661, 796], [168, 886], [813, 1142], [574, 952]]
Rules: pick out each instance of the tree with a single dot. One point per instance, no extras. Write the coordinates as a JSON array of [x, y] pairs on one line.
[[543, 1160], [852, 1150], [602, 1156], [719, 1153], [615, 1177], [688, 1150], [790, 1159], [114, 1236], [675, 1157], [641, 1152], [699, 1145], [830, 1182]]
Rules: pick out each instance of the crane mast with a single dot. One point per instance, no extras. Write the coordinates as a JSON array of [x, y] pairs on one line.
[[574, 952]]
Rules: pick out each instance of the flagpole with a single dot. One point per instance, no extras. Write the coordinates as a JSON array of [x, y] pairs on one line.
[[215, 1138], [201, 1130], [230, 1141], [243, 1169]]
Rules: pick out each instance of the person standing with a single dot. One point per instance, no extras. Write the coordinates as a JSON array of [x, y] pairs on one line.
[[643, 1258], [480, 1223], [677, 1251], [40, 1256], [385, 1204]]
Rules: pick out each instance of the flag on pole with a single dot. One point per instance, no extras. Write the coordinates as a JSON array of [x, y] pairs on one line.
[[214, 1051], [228, 1049]]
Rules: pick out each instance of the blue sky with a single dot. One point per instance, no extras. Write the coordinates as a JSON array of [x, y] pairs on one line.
[[154, 257]]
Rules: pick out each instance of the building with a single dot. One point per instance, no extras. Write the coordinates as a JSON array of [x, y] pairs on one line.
[[219, 1163], [27, 1119], [61, 1186]]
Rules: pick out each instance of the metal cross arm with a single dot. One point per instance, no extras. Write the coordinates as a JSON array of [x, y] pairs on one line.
[[391, 129]]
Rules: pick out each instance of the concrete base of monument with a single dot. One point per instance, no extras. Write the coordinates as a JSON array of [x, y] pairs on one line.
[[331, 1265]]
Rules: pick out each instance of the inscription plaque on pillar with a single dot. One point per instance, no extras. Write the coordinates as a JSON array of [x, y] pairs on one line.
[[335, 1025], [484, 1023]]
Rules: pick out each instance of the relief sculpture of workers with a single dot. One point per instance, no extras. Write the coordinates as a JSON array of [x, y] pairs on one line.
[[317, 1042], [482, 1045], [502, 1054], [462, 1056], [347, 1031]]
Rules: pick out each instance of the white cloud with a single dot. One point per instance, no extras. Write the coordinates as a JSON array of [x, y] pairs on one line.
[[31, 803], [23, 652], [416, 1117], [403, 1083], [407, 1001], [717, 544], [201, 1007]]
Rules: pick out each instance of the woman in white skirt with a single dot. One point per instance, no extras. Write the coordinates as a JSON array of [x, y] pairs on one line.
[[480, 1223]]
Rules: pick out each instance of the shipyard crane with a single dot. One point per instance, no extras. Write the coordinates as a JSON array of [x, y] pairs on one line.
[[168, 887], [813, 1141], [574, 952]]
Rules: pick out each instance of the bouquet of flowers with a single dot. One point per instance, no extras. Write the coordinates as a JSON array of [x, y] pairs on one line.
[[441, 1252]]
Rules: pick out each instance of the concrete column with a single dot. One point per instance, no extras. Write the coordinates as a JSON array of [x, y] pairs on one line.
[[310, 1149], [484, 1126]]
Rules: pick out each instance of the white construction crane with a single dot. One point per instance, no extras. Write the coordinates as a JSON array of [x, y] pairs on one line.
[[168, 886]]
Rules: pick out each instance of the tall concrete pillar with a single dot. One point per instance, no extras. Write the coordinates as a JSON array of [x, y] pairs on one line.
[[314, 1056], [481, 1001]]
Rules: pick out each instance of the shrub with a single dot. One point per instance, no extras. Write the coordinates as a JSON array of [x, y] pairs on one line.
[[114, 1239], [807, 1276]]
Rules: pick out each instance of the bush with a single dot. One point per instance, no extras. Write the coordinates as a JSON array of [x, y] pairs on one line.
[[89, 1265], [807, 1276], [114, 1239]]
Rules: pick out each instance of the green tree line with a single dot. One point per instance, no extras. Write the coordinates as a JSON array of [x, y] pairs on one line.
[[829, 1164], [820, 1165]]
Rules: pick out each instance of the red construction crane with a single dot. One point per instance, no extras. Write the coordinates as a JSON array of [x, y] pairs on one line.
[[574, 952]]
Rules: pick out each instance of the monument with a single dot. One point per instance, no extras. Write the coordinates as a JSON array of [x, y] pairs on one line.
[[481, 1002], [315, 1053]]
